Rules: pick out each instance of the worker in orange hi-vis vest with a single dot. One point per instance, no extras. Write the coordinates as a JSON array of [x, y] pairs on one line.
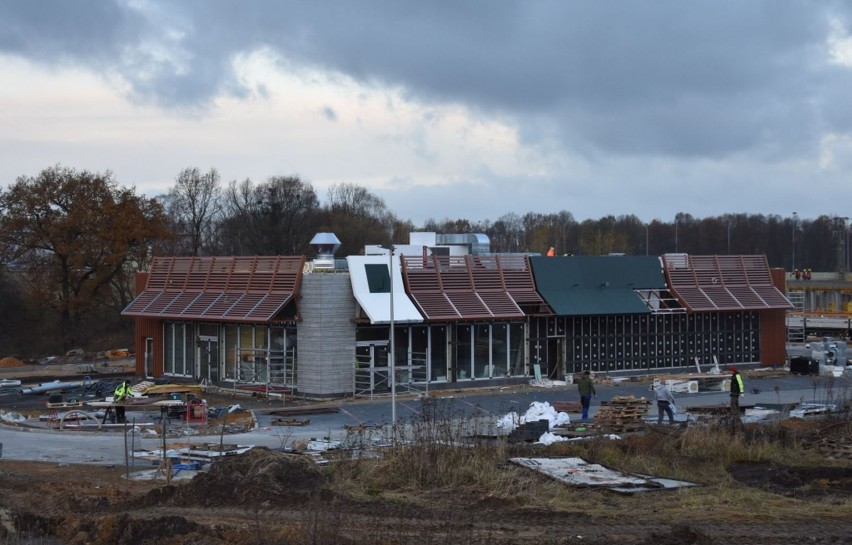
[[551, 252]]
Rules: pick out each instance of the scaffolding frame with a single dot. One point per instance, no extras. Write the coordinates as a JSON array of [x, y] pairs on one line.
[[371, 381], [273, 370]]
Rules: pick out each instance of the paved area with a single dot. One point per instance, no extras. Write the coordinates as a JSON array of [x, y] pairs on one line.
[[108, 447]]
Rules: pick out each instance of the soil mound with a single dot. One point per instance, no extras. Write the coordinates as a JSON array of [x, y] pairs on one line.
[[11, 362], [679, 535], [254, 477], [801, 482]]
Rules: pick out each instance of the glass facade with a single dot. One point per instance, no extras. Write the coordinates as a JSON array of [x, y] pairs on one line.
[[250, 353], [476, 351], [479, 351]]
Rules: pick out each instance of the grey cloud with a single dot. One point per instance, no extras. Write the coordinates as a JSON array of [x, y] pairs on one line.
[[54, 31], [668, 78], [329, 113]]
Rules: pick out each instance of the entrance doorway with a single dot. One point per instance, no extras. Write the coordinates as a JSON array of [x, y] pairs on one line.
[[208, 358], [555, 358], [149, 357]]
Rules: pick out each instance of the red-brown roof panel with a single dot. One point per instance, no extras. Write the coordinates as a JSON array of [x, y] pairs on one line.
[[218, 288], [141, 302], [435, 306], [704, 283], [695, 299], [720, 296], [500, 303], [469, 305], [470, 287]]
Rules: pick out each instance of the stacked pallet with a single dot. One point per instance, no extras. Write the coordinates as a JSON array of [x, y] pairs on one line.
[[622, 414]]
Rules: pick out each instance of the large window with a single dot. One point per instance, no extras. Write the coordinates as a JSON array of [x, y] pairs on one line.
[[463, 352], [419, 353], [189, 350], [438, 353], [230, 347], [482, 351], [178, 348], [517, 365], [169, 348], [258, 353], [499, 350]]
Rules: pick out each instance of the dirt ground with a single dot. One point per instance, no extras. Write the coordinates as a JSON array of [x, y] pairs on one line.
[[269, 497]]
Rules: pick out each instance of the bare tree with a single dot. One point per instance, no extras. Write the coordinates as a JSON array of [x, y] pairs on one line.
[[194, 205], [358, 217], [277, 217]]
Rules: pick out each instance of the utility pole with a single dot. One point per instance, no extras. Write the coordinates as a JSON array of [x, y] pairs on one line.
[[392, 348], [729, 236], [793, 260]]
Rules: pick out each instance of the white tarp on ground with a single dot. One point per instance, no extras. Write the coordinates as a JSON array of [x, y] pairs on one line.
[[537, 411], [12, 417], [578, 472]]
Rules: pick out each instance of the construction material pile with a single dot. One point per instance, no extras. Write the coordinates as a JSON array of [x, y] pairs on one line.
[[622, 414], [10, 362]]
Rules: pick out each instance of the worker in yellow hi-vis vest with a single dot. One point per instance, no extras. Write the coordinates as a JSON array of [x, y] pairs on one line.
[[737, 389], [122, 392]]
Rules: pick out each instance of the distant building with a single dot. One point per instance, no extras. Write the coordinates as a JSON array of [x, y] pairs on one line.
[[461, 316], [822, 305]]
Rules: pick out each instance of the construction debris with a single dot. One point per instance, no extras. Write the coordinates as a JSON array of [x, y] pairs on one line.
[[117, 354], [289, 422], [622, 414], [200, 452], [578, 472]]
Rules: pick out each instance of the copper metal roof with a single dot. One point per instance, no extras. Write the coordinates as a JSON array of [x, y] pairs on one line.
[[471, 287], [228, 289], [735, 282]]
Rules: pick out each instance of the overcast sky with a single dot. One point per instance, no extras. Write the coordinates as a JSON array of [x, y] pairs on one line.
[[446, 109]]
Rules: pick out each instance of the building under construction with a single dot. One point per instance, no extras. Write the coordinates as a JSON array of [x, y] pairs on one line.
[[460, 316]]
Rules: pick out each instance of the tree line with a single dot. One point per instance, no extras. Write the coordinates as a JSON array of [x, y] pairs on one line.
[[71, 241]]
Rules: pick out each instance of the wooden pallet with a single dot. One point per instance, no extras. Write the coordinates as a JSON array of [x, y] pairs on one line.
[[626, 428], [623, 413], [362, 427], [567, 406]]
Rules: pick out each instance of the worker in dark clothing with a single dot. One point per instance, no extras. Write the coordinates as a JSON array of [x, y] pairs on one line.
[[586, 387], [122, 392]]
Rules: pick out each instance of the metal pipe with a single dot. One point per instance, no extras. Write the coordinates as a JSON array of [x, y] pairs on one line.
[[50, 387]]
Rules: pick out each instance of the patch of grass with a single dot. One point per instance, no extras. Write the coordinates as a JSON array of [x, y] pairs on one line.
[[436, 460]]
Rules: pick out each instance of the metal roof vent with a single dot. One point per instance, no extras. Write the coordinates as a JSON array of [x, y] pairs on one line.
[[325, 245]]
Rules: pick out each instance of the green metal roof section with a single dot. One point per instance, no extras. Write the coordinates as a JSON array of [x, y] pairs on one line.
[[587, 285]]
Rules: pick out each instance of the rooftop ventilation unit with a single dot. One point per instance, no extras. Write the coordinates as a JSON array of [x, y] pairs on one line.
[[325, 245]]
